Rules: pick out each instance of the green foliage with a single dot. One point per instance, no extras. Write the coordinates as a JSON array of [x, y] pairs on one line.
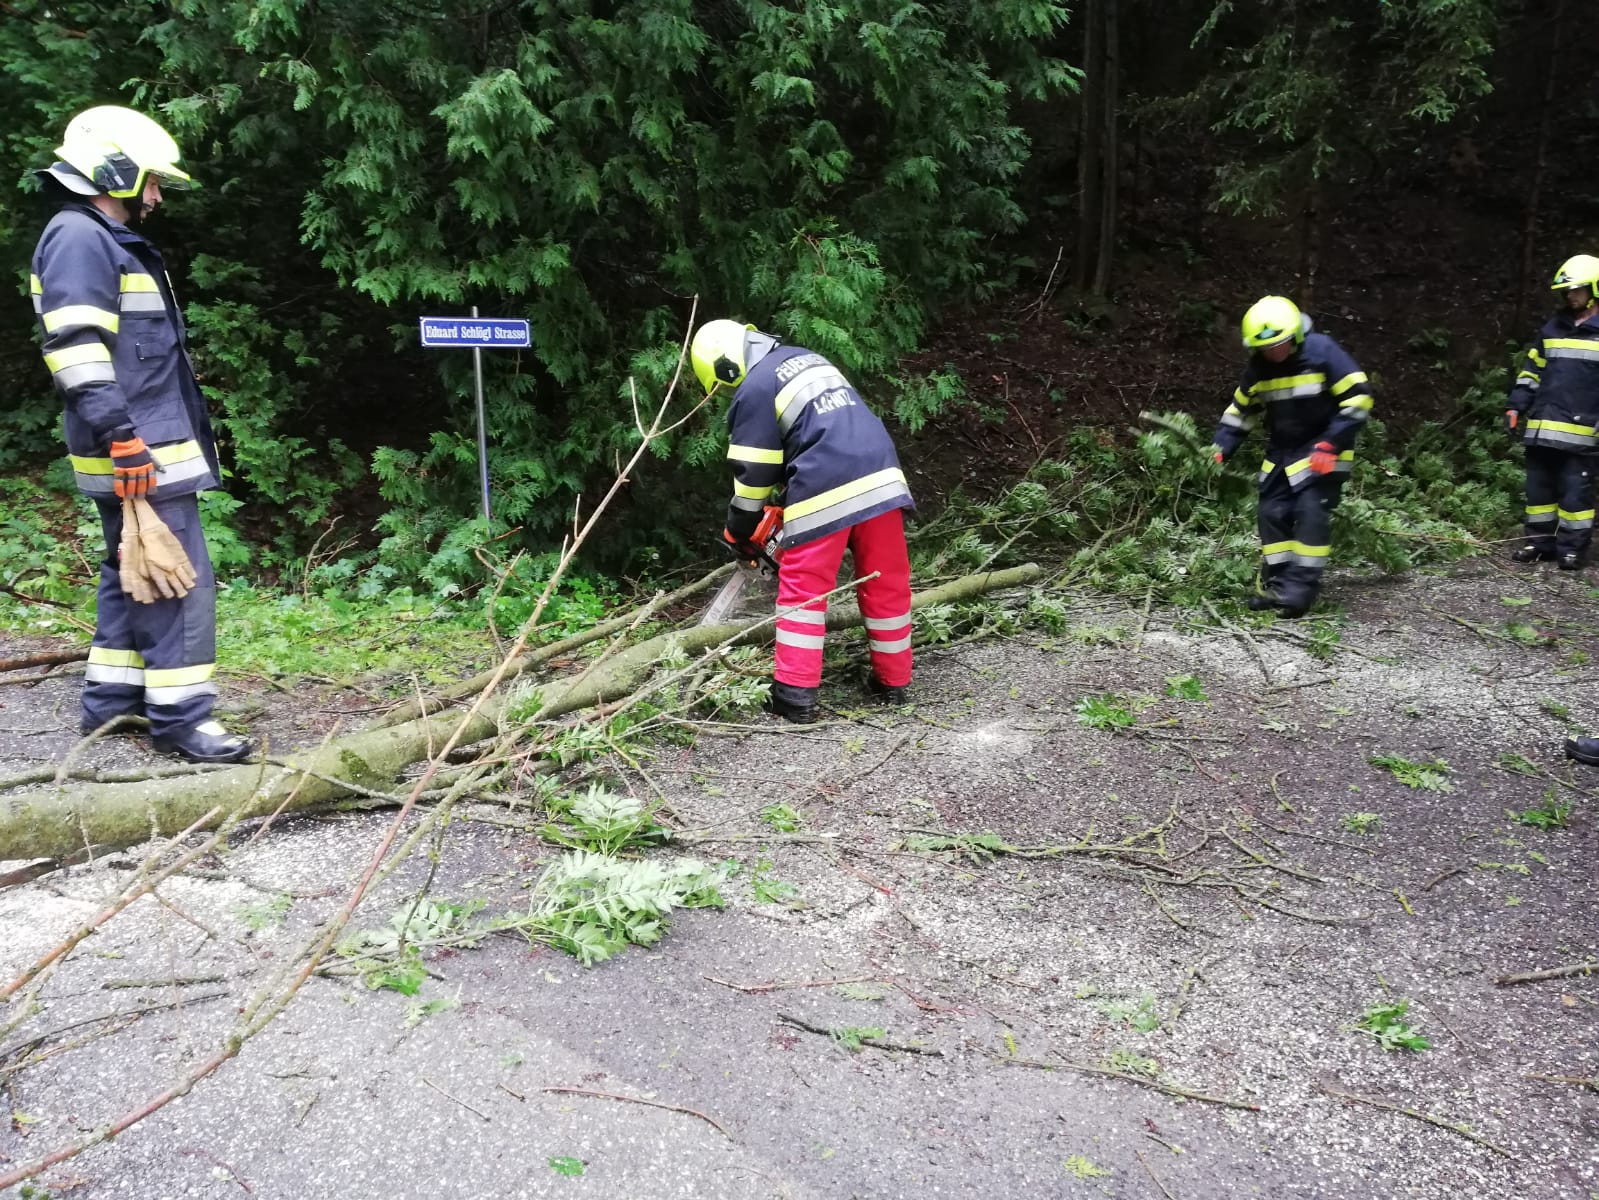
[[1081, 1167], [919, 399], [1315, 95], [1157, 518], [782, 818], [853, 1037], [1130, 1062], [1360, 822], [593, 906], [265, 914], [1553, 813], [1185, 687], [1139, 1014], [768, 889], [1104, 712], [1386, 1023], [589, 166], [38, 527], [268, 632], [601, 821], [567, 1165], [1429, 776], [1519, 763], [980, 848]]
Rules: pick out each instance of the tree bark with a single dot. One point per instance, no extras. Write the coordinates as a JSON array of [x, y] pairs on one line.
[[1540, 164], [1110, 155], [1310, 244], [1090, 146], [54, 822]]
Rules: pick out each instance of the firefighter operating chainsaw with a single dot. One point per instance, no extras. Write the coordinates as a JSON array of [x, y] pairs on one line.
[[798, 427], [756, 557]]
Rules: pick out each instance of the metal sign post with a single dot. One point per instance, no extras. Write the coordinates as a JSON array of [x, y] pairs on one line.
[[495, 333]]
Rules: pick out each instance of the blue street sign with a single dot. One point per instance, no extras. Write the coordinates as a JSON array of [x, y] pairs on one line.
[[503, 333]]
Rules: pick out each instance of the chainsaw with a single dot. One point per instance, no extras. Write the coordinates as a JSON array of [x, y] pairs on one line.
[[764, 565]]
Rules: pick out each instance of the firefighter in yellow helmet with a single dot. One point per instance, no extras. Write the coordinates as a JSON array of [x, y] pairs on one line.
[[136, 423], [1555, 403], [800, 430], [1315, 399]]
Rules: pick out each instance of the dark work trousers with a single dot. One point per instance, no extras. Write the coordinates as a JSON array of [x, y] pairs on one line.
[[155, 659], [1560, 489], [1296, 535]]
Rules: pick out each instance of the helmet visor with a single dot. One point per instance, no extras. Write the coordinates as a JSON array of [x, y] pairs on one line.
[[172, 177]]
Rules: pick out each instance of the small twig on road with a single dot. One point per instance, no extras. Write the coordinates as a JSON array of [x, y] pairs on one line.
[[1575, 1080], [1441, 876], [1154, 1176], [1582, 968], [174, 981], [778, 984], [692, 1112], [1244, 636], [457, 1099], [1440, 1122], [874, 1043], [1170, 1089]]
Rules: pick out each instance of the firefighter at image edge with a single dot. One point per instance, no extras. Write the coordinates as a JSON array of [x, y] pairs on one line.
[[136, 423], [1315, 399], [1555, 402], [797, 427]]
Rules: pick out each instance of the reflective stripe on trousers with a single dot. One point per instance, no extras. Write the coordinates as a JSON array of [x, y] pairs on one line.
[[1560, 500], [811, 568], [156, 659]]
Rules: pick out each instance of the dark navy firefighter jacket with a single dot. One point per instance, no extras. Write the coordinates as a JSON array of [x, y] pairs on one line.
[[1316, 394], [1557, 389], [796, 423], [115, 344]]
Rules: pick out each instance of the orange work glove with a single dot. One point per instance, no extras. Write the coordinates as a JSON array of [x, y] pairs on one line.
[[1511, 417], [133, 468], [1323, 458]]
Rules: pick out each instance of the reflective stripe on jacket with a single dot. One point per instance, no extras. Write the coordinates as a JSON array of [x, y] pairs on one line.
[[114, 341], [1317, 394], [797, 423], [1557, 388]]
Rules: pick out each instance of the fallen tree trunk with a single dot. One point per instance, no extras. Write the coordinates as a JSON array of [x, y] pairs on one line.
[[625, 673], [471, 687], [56, 821]]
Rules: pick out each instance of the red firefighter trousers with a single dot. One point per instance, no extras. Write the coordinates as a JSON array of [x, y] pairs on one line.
[[810, 569]]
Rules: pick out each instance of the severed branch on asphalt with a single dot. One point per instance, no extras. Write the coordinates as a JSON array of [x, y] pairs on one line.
[[1416, 1114], [1582, 968]]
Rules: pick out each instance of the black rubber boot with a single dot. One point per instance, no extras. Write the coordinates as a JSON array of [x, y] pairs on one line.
[[1260, 603], [1584, 750], [1571, 562], [884, 693], [206, 742], [1530, 554], [796, 704]]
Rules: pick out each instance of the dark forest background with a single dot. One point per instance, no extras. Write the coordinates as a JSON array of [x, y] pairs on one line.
[[1009, 220]]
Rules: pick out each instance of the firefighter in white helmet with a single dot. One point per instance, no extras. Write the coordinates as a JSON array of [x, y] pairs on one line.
[[799, 428], [136, 423], [1554, 402]]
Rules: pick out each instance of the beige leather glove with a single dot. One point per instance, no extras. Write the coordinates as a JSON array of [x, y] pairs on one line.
[[130, 559], [166, 565]]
